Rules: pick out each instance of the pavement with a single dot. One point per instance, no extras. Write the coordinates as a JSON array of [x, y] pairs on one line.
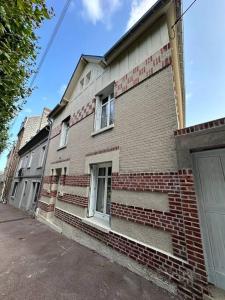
[[37, 263]]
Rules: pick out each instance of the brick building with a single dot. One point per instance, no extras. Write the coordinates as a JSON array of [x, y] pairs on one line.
[[29, 127], [113, 180]]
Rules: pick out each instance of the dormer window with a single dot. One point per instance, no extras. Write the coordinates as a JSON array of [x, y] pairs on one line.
[[88, 77], [82, 84]]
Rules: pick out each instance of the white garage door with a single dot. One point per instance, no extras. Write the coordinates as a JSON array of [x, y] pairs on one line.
[[209, 169]]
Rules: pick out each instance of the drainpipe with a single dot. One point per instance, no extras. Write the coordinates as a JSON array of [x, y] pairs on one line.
[[50, 121]]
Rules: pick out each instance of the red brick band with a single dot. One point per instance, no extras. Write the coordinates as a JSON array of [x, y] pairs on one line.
[[160, 220], [50, 194], [190, 280], [78, 180], [74, 199], [146, 182], [199, 127], [153, 64], [82, 113], [71, 180], [46, 207]]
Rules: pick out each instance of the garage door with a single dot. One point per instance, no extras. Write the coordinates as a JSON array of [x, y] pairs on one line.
[[209, 169]]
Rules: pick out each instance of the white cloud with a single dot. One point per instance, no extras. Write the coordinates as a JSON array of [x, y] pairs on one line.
[[62, 89], [100, 10], [138, 9]]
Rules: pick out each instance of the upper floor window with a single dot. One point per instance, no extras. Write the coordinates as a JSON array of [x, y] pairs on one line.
[[14, 189], [104, 115], [82, 83], [30, 160], [64, 132], [42, 157], [88, 77]]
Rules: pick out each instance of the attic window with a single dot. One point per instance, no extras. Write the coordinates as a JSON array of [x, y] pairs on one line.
[[88, 77], [82, 83]]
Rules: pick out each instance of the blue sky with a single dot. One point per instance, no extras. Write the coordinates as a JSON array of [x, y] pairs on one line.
[[93, 26]]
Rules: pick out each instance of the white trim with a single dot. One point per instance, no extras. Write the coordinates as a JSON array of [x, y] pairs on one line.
[[102, 129]]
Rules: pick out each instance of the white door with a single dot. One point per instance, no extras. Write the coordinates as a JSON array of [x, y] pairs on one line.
[[209, 168], [23, 195]]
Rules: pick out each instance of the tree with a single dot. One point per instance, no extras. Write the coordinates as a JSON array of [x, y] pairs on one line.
[[19, 21]]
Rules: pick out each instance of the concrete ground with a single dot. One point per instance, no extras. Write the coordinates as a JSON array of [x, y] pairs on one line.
[[38, 263]]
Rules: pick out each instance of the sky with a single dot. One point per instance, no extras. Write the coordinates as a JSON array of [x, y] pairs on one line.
[[93, 26]]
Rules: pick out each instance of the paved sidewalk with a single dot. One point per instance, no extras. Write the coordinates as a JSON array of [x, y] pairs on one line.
[[37, 263]]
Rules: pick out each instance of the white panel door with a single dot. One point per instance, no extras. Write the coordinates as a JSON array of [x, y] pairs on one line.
[[209, 168]]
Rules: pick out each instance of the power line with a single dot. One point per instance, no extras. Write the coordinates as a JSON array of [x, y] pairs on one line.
[[56, 29], [181, 16]]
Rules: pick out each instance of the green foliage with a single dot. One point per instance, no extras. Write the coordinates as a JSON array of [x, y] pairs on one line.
[[19, 21]]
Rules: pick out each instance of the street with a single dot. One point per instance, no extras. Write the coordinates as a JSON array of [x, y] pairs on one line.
[[38, 263]]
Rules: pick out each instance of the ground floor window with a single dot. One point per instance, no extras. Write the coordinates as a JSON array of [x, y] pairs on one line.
[[101, 186], [14, 189]]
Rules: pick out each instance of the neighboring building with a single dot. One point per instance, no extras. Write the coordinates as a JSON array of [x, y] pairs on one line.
[[28, 176], [29, 127]]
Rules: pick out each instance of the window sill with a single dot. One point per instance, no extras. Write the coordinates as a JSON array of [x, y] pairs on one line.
[[102, 130], [40, 167], [63, 147], [97, 223]]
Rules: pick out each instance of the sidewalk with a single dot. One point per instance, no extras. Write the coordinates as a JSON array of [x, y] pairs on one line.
[[37, 263]]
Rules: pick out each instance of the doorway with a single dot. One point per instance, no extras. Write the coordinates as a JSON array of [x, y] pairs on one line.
[[209, 170]]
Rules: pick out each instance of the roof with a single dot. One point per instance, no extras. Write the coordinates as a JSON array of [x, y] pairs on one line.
[[40, 136], [157, 10]]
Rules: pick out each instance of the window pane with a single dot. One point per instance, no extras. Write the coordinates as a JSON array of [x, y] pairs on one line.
[[101, 172], [108, 199], [104, 116], [105, 100], [109, 171], [111, 117], [100, 195]]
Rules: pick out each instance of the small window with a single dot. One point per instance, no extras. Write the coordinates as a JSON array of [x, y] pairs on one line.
[[104, 112], [64, 132], [88, 77], [14, 189], [82, 84], [30, 160], [101, 186], [42, 156]]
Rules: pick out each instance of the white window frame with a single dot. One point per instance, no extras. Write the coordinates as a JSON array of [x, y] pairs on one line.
[[20, 163], [98, 115], [94, 190], [42, 156], [64, 133]]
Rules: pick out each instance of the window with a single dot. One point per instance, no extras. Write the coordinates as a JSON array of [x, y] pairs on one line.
[[64, 132], [104, 111], [42, 157], [14, 189], [30, 160], [100, 198], [82, 84], [88, 77]]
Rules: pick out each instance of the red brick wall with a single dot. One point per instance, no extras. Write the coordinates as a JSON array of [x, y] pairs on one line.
[[74, 199], [46, 207]]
